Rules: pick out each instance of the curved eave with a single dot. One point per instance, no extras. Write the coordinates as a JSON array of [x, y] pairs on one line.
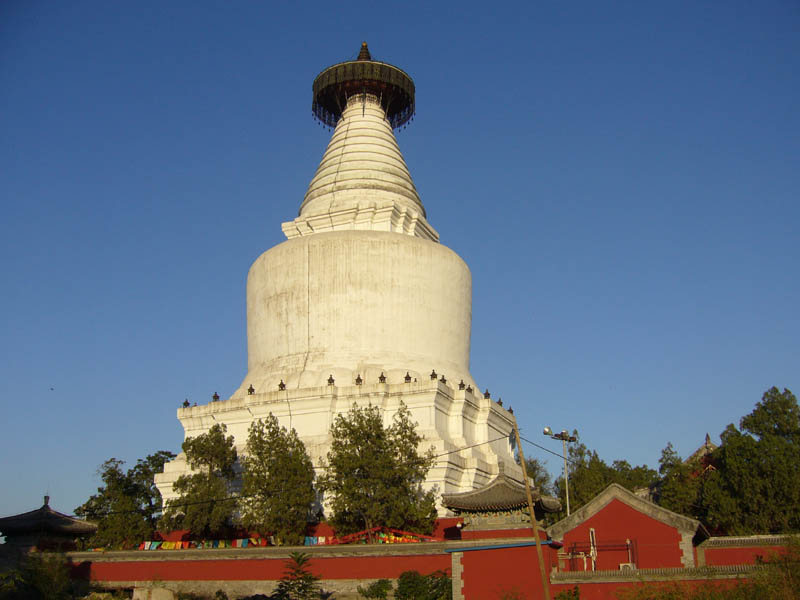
[[501, 493], [392, 85], [45, 520], [343, 66]]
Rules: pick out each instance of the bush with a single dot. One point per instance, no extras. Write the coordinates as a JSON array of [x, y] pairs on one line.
[[377, 590], [413, 586], [41, 576], [573, 594]]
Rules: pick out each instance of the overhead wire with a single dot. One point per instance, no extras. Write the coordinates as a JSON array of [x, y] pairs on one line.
[[568, 459], [242, 497]]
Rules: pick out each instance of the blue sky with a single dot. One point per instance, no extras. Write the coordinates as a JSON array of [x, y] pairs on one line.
[[621, 178]]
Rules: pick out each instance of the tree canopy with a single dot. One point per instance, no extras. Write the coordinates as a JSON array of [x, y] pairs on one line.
[[374, 474], [751, 483], [127, 506], [756, 485], [205, 505], [680, 486], [277, 482], [539, 474], [589, 475]]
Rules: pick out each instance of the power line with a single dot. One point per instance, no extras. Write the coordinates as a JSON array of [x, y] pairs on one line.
[[178, 504], [574, 462], [502, 437]]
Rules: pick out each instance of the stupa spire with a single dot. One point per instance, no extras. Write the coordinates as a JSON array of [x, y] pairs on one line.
[[393, 87], [362, 181]]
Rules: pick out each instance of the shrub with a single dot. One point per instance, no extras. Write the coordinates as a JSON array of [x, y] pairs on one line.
[[573, 594], [413, 586], [377, 590]]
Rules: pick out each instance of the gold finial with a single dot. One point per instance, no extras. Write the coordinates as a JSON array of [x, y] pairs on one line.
[[364, 53]]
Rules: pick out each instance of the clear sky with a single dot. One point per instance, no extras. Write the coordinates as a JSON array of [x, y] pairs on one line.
[[621, 178]]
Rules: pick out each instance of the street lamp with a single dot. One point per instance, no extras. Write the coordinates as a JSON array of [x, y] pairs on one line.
[[565, 437]]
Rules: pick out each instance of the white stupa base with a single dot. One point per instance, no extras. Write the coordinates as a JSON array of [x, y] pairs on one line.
[[448, 418]]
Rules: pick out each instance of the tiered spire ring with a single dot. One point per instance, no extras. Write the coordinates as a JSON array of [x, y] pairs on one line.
[[392, 86]]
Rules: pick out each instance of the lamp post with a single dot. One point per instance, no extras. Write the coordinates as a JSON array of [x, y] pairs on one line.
[[565, 437]]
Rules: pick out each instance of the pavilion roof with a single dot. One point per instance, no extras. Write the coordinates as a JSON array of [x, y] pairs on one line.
[[502, 493], [45, 520]]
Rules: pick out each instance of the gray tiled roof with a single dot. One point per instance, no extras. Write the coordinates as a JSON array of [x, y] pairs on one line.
[[45, 520], [502, 493]]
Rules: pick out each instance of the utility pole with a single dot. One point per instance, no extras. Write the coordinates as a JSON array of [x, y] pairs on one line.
[[565, 437], [534, 522]]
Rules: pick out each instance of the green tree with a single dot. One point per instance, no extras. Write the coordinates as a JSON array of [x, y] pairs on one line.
[[756, 486], [589, 475], [633, 478], [536, 470], [377, 590], [298, 582], [205, 506], [127, 506], [40, 576], [374, 474], [680, 486], [411, 585], [278, 481]]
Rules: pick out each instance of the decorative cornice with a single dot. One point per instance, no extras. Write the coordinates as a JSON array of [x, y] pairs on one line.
[[370, 216]]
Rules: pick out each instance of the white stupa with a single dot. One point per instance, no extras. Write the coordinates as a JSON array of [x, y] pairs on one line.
[[362, 304]]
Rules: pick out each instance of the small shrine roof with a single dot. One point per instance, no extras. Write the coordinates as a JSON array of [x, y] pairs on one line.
[[502, 493], [45, 520]]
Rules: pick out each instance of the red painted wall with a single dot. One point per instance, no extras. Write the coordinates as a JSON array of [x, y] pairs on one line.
[[490, 573], [487, 574], [654, 544], [740, 555], [446, 528], [264, 569]]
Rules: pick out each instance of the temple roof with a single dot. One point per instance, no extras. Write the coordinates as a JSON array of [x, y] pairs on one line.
[[502, 493], [45, 520]]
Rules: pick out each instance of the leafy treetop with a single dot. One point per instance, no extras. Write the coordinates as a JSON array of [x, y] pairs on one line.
[[126, 507], [589, 475], [278, 482], [374, 473], [756, 485], [205, 506]]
